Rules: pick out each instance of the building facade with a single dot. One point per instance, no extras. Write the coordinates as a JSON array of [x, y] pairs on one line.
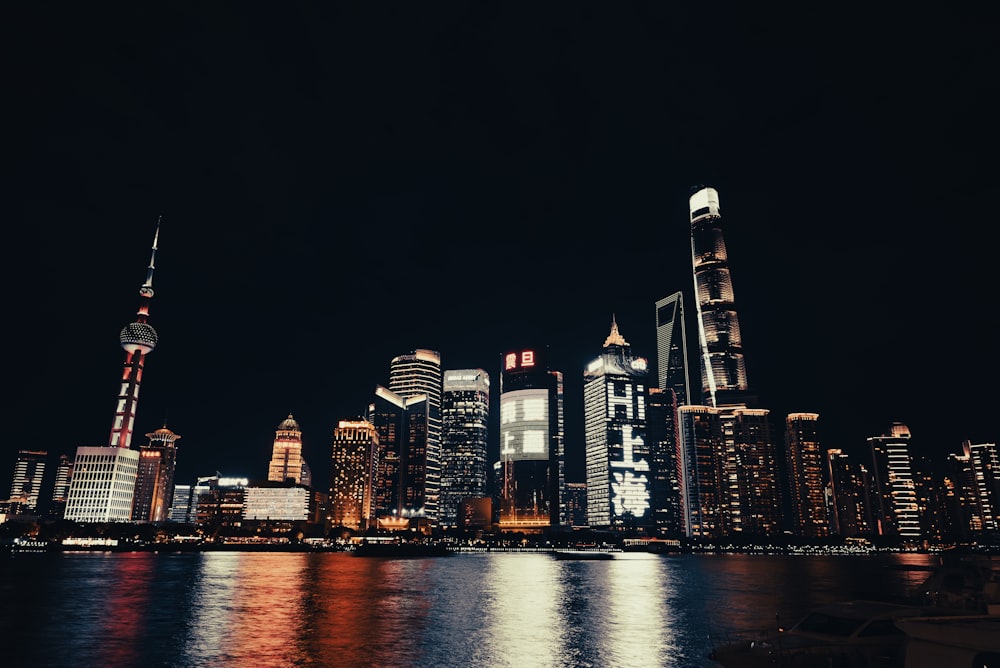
[[286, 453], [704, 513], [848, 495], [352, 474], [894, 493], [532, 456], [805, 475], [723, 369], [416, 374], [465, 412], [664, 461], [671, 348], [618, 462], [154, 484], [26, 483], [103, 480], [400, 494]]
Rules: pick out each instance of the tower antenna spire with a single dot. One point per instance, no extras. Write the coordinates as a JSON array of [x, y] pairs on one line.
[[147, 287]]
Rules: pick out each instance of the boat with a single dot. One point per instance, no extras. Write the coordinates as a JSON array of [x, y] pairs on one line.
[[400, 549], [969, 641], [847, 634], [586, 554]]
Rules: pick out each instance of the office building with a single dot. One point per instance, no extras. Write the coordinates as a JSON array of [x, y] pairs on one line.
[[60, 488], [286, 453], [671, 348], [751, 472], [104, 477], [805, 475], [704, 510], [664, 461], [465, 411], [352, 474], [411, 375], [723, 369], [894, 493], [26, 483], [154, 485], [848, 496], [617, 452], [400, 491], [532, 458], [276, 504]]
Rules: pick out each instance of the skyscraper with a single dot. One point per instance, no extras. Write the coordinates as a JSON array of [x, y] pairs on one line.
[[29, 471], [751, 472], [894, 492], [104, 477], [704, 511], [671, 347], [617, 454], [805, 473], [154, 485], [419, 373], [352, 474], [60, 489], [723, 369], [664, 459], [400, 490], [532, 458], [286, 454], [850, 505], [465, 410]]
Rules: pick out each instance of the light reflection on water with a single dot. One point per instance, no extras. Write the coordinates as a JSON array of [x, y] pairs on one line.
[[333, 609]]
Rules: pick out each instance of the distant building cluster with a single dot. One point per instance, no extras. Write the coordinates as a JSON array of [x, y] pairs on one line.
[[660, 459]]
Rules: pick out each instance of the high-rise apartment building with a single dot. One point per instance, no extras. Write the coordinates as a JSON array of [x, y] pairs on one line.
[[352, 474], [104, 477], [975, 482], [411, 375], [894, 493], [671, 347], [751, 472], [848, 494], [154, 484], [805, 475], [532, 455], [286, 453], [723, 369], [29, 471], [618, 467], [704, 511], [465, 411]]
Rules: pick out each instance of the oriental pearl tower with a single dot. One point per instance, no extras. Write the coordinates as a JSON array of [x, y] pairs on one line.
[[137, 339]]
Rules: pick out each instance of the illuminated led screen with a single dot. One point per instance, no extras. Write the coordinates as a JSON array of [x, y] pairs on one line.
[[524, 425]]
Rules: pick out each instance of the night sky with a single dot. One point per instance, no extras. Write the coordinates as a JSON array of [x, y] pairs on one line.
[[341, 183]]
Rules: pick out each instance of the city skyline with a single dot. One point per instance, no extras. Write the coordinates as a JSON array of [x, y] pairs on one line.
[[462, 195]]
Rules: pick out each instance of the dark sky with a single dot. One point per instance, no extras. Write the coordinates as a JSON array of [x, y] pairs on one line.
[[341, 183]]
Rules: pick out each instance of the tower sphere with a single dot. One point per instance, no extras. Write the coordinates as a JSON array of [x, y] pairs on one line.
[[138, 336]]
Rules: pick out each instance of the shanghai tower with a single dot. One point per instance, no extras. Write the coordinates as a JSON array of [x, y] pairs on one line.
[[723, 370]]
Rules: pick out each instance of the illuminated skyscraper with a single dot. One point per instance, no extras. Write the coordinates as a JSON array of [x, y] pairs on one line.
[[805, 472], [664, 461], [850, 505], [751, 471], [154, 485], [104, 477], [60, 490], [976, 475], [532, 458], [286, 454], [617, 454], [671, 347], [411, 375], [704, 510], [723, 370], [352, 474], [465, 411], [29, 470], [400, 492], [894, 492]]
